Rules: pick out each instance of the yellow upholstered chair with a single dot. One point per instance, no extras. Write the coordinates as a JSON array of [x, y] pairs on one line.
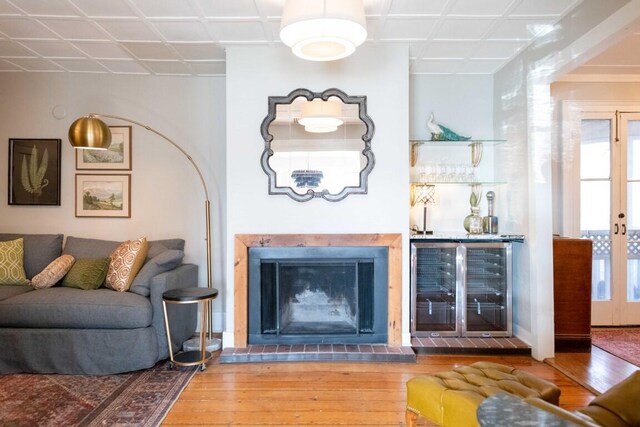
[[452, 398]]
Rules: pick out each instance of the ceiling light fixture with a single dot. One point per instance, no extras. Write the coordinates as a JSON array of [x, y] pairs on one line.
[[323, 30], [320, 116]]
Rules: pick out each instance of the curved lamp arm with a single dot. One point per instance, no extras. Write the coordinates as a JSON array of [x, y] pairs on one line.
[[193, 163]]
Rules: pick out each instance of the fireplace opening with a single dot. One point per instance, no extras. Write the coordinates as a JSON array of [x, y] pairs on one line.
[[309, 295]]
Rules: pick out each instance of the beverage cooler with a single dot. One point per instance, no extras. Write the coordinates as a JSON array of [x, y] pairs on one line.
[[461, 289]]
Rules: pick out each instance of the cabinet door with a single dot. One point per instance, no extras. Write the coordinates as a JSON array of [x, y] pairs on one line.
[[488, 290], [435, 277]]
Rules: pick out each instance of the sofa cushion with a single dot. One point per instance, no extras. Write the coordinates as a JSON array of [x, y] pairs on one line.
[[53, 272], [39, 250], [79, 247], [164, 261], [10, 291], [87, 274], [12, 263], [125, 263], [60, 307]]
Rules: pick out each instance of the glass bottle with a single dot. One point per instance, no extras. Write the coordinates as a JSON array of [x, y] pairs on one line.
[[475, 221]]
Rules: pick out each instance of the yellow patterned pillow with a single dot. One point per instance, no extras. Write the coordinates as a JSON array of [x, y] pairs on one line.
[[53, 272], [125, 263], [12, 263]]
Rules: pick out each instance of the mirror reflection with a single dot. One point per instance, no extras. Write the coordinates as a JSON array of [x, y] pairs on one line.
[[317, 145]]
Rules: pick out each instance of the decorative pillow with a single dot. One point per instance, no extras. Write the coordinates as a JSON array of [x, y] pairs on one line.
[[164, 261], [53, 272], [87, 274], [125, 263], [12, 263]]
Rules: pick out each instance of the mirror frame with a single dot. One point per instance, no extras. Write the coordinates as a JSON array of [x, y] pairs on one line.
[[366, 138]]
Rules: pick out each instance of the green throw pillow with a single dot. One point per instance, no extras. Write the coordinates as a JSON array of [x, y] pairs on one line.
[[87, 274], [12, 263]]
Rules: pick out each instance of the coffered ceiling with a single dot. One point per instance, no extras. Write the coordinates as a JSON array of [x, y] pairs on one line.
[[189, 37]]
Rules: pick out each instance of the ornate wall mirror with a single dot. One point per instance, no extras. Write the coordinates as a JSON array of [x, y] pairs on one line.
[[317, 144]]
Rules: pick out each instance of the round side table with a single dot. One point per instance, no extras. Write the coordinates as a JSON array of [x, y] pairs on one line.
[[190, 296]]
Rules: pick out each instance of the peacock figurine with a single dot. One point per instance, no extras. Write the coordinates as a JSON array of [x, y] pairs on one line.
[[442, 133]]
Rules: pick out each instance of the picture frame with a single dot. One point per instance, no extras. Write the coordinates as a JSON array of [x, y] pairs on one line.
[[116, 157], [103, 196], [34, 171]]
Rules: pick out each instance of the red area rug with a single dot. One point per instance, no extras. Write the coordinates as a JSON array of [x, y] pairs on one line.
[[140, 398], [621, 342]]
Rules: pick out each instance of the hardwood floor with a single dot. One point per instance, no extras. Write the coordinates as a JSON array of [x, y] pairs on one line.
[[327, 394]]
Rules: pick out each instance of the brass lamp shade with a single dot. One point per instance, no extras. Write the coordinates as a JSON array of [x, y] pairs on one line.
[[90, 132]]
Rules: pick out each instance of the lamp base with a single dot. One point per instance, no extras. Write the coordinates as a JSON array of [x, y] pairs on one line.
[[212, 344], [424, 232]]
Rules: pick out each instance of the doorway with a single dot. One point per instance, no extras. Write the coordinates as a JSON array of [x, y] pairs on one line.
[[605, 146]]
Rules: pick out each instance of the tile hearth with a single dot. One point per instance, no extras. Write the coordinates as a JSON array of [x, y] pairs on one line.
[[318, 352]]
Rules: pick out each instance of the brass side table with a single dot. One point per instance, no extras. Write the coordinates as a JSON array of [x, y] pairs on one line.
[[190, 296]]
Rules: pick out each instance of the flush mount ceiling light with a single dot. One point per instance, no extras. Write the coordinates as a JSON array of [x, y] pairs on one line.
[[323, 30], [320, 116]]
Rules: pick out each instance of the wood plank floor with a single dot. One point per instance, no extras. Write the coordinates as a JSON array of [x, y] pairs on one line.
[[326, 393]]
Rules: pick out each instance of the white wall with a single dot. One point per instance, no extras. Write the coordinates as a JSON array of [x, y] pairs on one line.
[[167, 197], [255, 73]]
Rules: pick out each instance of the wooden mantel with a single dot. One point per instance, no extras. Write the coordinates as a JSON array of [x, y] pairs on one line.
[[241, 273]]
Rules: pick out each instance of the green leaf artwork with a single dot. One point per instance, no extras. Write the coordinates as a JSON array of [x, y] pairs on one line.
[[32, 173]]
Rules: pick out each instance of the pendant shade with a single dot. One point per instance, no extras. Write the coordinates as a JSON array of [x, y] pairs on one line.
[[320, 116], [323, 30], [90, 132]]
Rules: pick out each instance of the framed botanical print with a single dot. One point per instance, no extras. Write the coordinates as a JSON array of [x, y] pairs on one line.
[[105, 196], [34, 172], [116, 157]]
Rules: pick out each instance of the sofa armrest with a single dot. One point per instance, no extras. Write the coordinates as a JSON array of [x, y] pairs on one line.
[[574, 417], [182, 318]]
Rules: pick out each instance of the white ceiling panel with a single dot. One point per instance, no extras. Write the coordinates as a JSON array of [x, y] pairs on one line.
[[102, 50], [225, 9], [151, 50], [190, 36], [200, 51], [165, 8], [229, 32], [406, 29], [124, 67], [23, 28], [80, 65], [46, 7], [35, 64], [182, 31], [102, 8], [465, 29], [75, 29], [417, 7], [479, 8], [543, 7], [53, 49], [9, 49], [128, 30]]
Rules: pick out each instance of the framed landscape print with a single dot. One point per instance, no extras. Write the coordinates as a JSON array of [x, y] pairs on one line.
[[116, 157], [106, 196], [34, 172]]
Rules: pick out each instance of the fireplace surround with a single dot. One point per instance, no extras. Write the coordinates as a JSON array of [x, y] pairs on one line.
[[391, 242]]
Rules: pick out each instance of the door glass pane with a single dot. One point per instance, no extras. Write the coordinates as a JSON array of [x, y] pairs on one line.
[[633, 241], [633, 150], [595, 210], [595, 153], [486, 290]]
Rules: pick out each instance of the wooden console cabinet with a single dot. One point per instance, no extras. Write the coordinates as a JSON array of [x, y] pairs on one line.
[[572, 293]]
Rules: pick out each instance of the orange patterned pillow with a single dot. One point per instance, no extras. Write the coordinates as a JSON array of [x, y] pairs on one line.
[[126, 261], [53, 272]]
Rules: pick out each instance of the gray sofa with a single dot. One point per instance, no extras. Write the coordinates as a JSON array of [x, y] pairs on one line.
[[74, 331]]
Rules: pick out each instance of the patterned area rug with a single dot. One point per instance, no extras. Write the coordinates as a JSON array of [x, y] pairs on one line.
[[140, 398], [621, 342]]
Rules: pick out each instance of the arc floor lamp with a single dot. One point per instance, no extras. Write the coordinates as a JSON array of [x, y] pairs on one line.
[[90, 132]]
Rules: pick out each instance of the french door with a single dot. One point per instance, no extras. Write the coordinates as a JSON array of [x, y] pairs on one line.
[[609, 211]]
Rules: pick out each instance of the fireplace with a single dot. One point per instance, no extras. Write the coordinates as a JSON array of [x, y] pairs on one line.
[[314, 295]]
